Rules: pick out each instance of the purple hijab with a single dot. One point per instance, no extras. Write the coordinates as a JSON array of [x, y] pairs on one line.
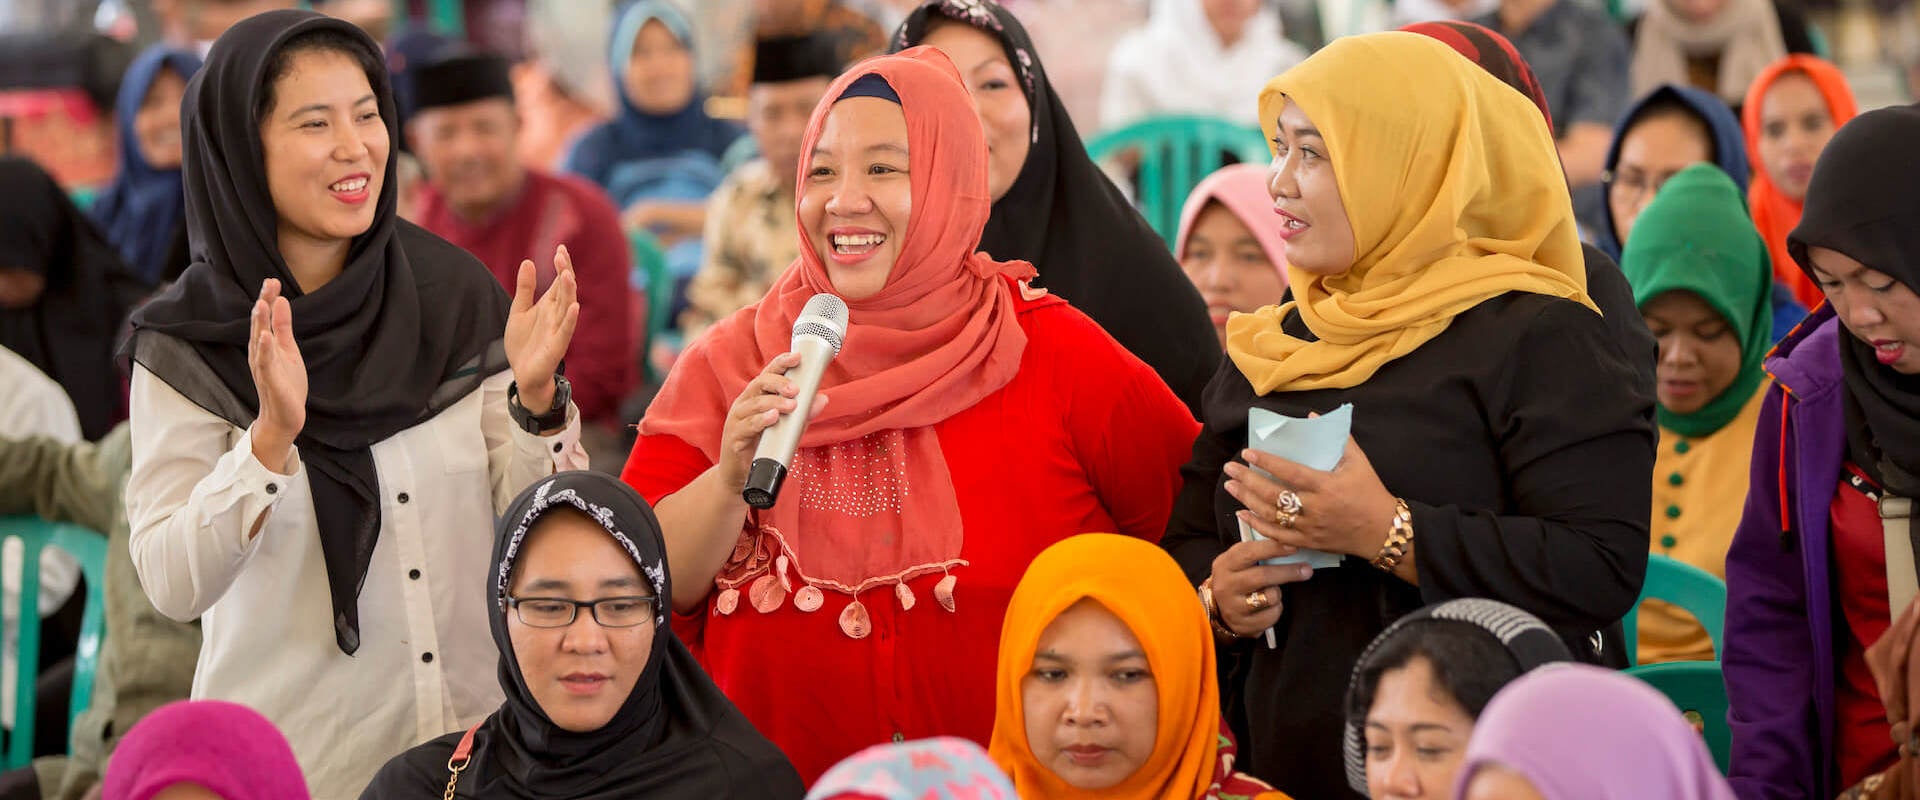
[[227, 748], [1578, 731]]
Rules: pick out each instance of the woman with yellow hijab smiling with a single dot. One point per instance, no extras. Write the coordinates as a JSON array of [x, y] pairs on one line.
[[1499, 448]]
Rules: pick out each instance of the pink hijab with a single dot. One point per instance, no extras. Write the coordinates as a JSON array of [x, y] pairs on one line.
[[1242, 188], [227, 748]]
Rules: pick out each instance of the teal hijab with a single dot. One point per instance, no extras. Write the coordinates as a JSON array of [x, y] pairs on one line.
[[1696, 237]]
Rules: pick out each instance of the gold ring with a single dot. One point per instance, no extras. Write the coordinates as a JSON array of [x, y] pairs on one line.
[[1287, 508], [1257, 599]]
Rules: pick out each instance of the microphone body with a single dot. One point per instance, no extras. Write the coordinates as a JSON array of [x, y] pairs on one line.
[[817, 334]]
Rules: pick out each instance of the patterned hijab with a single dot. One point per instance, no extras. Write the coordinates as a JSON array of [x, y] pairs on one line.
[[675, 736], [1526, 639], [945, 768]]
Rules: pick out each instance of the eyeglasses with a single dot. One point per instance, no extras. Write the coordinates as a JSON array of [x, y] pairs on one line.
[[559, 612], [1635, 186]]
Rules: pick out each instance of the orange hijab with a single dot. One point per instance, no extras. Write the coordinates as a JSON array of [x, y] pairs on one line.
[[939, 337], [1774, 213], [1141, 584]]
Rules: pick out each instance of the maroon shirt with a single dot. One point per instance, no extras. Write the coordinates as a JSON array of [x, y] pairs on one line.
[[553, 210]]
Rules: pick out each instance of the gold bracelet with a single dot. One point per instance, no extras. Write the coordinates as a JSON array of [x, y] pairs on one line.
[[1399, 538], [1213, 611]]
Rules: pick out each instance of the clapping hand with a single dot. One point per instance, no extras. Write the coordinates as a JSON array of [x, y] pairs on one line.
[[538, 332], [279, 377]]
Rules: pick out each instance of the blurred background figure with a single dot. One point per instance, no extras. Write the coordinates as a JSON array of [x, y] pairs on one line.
[[659, 158], [478, 195], [749, 230], [563, 84], [1230, 246], [1206, 57]]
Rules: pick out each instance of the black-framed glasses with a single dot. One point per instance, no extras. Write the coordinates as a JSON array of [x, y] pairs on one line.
[[559, 612]]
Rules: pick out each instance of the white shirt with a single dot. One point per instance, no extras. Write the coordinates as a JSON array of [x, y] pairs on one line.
[[31, 404], [426, 665]]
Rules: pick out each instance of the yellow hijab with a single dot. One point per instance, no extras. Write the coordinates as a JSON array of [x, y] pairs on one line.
[[1455, 194], [1140, 584]]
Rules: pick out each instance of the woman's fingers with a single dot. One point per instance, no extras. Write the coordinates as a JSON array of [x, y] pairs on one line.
[[283, 322], [523, 287]]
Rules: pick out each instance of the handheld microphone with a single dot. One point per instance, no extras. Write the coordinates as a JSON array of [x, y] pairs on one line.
[[817, 333]]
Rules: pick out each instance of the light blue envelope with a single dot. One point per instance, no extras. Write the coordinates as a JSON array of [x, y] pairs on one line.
[[1314, 443]]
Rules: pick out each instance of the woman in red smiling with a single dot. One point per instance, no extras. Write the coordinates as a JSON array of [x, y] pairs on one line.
[[967, 423]]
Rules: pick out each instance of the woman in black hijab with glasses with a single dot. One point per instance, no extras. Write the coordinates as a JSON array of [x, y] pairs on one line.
[[1053, 207], [603, 701], [328, 407]]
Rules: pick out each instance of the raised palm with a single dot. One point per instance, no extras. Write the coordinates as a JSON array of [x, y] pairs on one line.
[[538, 331], [279, 372]]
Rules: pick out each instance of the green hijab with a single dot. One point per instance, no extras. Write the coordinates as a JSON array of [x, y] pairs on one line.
[[1696, 237]]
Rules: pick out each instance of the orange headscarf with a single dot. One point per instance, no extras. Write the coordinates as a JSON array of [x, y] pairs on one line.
[[1141, 585], [1774, 213], [939, 337]]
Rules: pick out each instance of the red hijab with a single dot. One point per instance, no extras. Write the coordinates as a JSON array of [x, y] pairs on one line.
[[939, 337], [1774, 213], [1492, 51]]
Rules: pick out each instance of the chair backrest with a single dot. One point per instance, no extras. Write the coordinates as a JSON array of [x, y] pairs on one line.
[[1698, 689], [1176, 153], [90, 549], [650, 271], [1691, 588]]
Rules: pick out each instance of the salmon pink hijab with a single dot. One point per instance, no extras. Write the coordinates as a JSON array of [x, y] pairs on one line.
[[869, 502], [1774, 213]]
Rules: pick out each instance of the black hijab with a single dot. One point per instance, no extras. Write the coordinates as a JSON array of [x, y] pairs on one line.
[[1862, 203], [411, 326], [69, 332], [676, 736], [1064, 215]]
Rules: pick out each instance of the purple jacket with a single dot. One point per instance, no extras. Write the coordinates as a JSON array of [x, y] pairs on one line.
[[1780, 660]]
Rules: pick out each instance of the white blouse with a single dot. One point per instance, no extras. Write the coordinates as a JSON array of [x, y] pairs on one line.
[[426, 665]]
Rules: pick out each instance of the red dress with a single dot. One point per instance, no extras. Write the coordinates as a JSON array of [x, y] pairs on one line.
[[1085, 438]]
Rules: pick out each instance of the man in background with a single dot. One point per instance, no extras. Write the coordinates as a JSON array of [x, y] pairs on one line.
[[479, 196], [750, 234]]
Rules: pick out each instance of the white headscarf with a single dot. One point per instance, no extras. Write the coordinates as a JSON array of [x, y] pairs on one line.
[[1176, 64]]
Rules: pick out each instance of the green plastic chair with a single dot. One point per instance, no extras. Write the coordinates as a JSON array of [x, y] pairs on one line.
[[1697, 688], [1684, 585], [1176, 153], [90, 549], [650, 265]]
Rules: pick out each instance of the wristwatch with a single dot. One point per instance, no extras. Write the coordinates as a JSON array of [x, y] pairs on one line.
[[553, 418]]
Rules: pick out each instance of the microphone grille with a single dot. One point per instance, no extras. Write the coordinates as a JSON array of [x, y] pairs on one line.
[[828, 306], [824, 316]]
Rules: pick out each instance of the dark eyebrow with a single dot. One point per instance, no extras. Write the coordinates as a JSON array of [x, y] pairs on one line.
[[556, 584], [1313, 132], [324, 107]]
